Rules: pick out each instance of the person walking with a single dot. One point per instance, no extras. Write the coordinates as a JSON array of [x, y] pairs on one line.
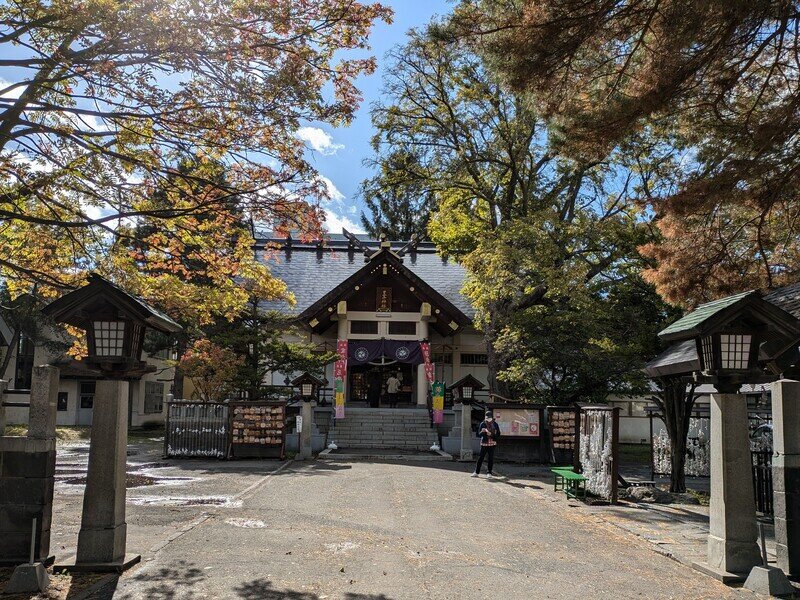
[[393, 387], [489, 432]]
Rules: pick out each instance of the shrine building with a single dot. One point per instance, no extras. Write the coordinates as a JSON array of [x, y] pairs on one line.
[[386, 300]]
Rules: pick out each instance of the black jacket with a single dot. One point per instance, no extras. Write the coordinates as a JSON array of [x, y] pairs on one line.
[[493, 428]]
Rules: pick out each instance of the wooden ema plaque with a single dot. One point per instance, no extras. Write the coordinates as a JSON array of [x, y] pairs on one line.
[[562, 428], [564, 437], [258, 429]]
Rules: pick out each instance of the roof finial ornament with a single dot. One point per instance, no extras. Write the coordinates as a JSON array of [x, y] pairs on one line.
[[385, 243], [410, 246]]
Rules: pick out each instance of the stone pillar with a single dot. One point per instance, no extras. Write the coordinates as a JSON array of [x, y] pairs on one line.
[[27, 475], [304, 450], [3, 386], [43, 403], [732, 535], [422, 381], [102, 537], [467, 435], [786, 473]]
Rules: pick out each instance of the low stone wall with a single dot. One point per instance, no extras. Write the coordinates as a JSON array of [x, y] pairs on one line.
[[27, 469]]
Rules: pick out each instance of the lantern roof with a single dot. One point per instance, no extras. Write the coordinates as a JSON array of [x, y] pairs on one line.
[[308, 377], [467, 380], [80, 305], [748, 309], [679, 359]]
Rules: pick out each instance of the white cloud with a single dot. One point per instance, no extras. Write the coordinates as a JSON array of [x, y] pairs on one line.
[[36, 165], [15, 93], [319, 140], [333, 191], [334, 223]]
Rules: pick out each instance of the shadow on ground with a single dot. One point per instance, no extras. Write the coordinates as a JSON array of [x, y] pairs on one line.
[[263, 589], [178, 582]]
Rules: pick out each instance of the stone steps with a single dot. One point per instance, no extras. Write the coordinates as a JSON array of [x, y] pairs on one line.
[[402, 429]]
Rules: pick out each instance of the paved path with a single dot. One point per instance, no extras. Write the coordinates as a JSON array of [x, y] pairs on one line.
[[367, 531], [679, 531]]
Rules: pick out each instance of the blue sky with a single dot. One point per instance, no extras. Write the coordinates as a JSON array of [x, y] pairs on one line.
[[340, 152]]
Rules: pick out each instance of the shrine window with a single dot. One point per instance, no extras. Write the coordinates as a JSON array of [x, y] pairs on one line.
[[364, 327], [402, 328]]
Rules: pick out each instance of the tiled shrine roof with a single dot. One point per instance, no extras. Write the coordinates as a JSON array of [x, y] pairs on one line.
[[311, 270]]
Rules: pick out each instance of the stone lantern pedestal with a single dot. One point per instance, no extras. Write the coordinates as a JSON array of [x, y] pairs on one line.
[[103, 533], [732, 541]]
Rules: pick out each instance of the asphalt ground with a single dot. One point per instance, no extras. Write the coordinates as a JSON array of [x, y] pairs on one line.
[[372, 530], [363, 530]]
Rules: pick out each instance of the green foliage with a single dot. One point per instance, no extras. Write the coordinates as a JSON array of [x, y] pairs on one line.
[[266, 342], [550, 243], [399, 208], [565, 330], [721, 72]]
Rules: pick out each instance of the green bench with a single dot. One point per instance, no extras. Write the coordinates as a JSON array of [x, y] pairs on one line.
[[571, 483]]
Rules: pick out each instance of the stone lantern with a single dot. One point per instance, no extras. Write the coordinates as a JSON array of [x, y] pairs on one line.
[[115, 323], [309, 387], [464, 392], [465, 388], [738, 340]]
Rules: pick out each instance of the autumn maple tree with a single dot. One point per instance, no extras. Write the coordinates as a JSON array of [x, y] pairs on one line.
[[211, 368], [104, 103]]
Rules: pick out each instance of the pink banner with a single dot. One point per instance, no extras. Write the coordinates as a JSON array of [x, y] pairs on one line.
[[340, 369], [339, 377], [430, 372], [425, 348], [438, 416]]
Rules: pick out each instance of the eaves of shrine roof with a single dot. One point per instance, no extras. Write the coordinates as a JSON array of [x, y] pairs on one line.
[[787, 298], [312, 270]]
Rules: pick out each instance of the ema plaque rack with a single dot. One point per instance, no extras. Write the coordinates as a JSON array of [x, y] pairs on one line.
[[564, 434], [258, 430]]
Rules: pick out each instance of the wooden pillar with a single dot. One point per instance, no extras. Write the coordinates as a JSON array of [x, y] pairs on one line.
[[422, 381], [342, 334]]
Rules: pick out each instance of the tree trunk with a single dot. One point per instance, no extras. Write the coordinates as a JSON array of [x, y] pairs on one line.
[[494, 361], [676, 406], [177, 382]]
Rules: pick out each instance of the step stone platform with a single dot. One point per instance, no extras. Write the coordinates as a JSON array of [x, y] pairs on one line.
[[406, 429]]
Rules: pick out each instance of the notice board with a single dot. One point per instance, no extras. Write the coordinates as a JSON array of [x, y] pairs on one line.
[[524, 422]]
